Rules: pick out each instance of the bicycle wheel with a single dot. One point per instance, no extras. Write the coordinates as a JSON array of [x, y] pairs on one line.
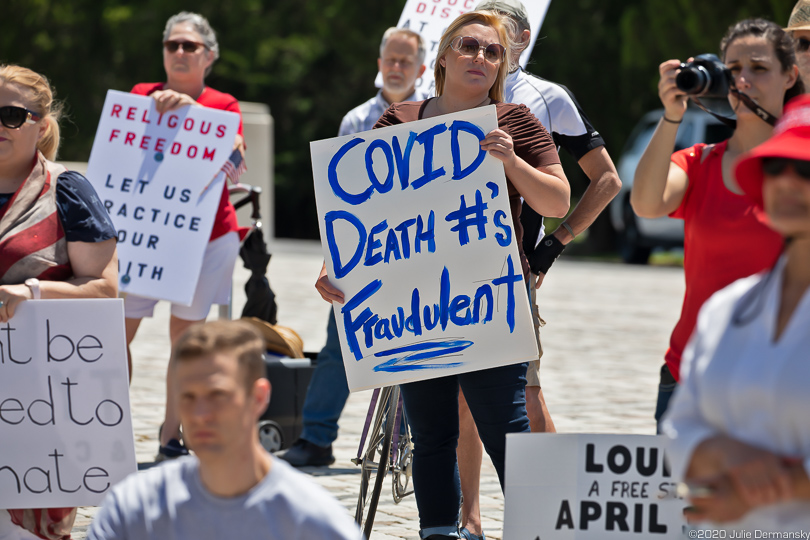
[[379, 447]]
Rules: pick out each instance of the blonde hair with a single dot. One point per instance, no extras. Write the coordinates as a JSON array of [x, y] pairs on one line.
[[502, 24], [42, 102]]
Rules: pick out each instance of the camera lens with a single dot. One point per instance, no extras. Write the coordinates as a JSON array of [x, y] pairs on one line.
[[693, 80]]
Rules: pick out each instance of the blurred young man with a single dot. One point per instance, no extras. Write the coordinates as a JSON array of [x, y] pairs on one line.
[[559, 112], [231, 487], [401, 63]]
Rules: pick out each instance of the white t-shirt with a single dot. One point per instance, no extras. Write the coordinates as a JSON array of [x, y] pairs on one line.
[[557, 109], [736, 381], [169, 502]]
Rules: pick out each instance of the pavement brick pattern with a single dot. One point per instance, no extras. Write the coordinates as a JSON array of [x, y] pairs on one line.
[[608, 327]]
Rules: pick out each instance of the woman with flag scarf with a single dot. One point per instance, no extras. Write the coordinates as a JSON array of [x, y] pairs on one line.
[[189, 50], [56, 238]]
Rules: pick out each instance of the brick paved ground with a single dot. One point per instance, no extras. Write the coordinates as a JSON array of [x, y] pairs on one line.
[[608, 326]]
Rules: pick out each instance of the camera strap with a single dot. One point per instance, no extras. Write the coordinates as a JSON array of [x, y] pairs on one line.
[[747, 101], [759, 111]]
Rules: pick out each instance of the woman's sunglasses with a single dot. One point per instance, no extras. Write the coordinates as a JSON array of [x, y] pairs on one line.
[[774, 166], [802, 44], [187, 46], [469, 46], [13, 117]]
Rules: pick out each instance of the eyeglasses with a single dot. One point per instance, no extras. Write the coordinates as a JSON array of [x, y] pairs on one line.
[[774, 166], [187, 46], [13, 117], [802, 44], [469, 46]]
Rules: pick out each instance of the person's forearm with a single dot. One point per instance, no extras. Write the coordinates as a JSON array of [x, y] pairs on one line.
[[595, 199], [548, 194], [648, 195], [103, 287]]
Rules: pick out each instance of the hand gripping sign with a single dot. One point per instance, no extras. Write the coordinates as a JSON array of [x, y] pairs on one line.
[[159, 178], [65, 424], [417, 234], [585, 486]]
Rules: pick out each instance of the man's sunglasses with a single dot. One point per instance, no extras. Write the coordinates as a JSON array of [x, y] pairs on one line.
[[774, 166], [187, 46], [13, 117], [469, 46], [802, 44]]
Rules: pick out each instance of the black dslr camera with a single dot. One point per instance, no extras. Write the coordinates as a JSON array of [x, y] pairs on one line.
[[705, 76]]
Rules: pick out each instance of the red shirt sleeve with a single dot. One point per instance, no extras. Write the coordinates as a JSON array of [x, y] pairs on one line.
[[688, 159]]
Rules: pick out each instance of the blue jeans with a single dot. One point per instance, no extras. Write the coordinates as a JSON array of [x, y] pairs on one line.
[[327, 392], [666, 387], [497, 400]]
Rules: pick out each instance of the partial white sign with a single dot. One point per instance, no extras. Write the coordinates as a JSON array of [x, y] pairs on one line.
[[586, 486], [417, 233], [65, 424], [159, 178], [430, 18]]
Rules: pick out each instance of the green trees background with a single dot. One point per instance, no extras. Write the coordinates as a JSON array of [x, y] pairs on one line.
[[313, 60]]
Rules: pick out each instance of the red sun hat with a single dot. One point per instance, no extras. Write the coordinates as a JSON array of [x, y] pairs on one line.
[[790, 139]]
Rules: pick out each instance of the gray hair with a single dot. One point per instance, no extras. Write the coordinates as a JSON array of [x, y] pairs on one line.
[[421, 50], [201, 26]]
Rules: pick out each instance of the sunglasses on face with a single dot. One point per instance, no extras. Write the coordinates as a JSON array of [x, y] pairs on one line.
[[469, 46], [187, 46], [774, 166], [14, 117], [802, 44]]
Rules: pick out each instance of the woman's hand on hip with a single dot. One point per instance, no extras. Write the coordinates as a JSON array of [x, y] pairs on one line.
[[499, 145], [11, 296], [758, 475], [169, 100]]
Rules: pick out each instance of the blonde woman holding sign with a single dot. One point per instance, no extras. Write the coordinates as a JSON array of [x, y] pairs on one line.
[[56, 239], [471, 67]]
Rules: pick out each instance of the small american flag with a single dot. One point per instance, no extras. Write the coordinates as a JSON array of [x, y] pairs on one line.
[[233, 169]]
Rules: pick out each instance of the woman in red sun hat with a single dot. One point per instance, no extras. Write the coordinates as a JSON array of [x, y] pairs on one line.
[[738, 423]]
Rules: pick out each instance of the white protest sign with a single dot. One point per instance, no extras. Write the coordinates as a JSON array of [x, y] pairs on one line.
[[151, 172], [430, 18], [585, 486], [417, 233], [65, 424]]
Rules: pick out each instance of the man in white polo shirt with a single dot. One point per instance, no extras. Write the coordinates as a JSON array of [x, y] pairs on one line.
[[401, 63]]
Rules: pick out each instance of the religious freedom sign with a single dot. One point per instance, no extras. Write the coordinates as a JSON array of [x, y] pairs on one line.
[[417, 233], [65, 425], [585, 486], [159, 178], [430, 18]]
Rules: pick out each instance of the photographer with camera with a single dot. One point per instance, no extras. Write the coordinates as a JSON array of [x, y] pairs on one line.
[[723, 239]]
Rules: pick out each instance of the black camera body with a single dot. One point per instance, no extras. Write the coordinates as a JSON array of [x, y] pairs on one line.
[[705, 76]]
